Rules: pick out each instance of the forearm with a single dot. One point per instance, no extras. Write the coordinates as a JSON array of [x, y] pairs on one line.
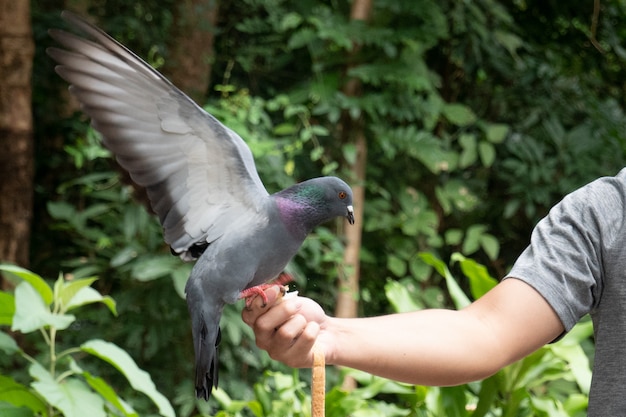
[[429, 347]]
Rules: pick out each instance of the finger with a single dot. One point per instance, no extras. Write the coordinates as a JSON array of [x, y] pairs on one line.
[[277, 330], [298, 352], [286, 335], [272, 319]]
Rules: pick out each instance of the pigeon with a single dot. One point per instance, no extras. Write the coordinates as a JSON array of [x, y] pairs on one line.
[[200, 179]]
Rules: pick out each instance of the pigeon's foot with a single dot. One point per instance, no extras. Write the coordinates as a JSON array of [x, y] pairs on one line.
[[282, 280], [251, 293]]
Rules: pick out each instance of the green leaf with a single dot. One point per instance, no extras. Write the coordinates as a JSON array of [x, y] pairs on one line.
[[496, 133], [101, 387], [61, 210], [301, 38], [349, 153], [490, 245], [329, 168], [582, 330], [577, 361], [148, 268], [455, 194], [453, 236], [19, 395], [319, 130], [431, 151], [140, 380], [180, 275], [458, 114], [72, 397], [472, 238], [317, 153], [231, 406], [457, 295], [93, 211], [88, 295], [339, 402], [290, 166], [68, 289], [437, 159], [123, 256], [487, 395], [35, 280], [480, 280], [8, 344], [453, 401], [576, 404], [509, 40], [32, 313], [290, 20], [400, 297], [285, 129], [7, 308], [487, 153], [9, 410], [468, 156], [419, 270], [396, 265], [263, 397], [372, 385], [77, 293]]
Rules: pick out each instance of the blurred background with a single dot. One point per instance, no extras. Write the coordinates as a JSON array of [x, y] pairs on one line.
[[458, 123]]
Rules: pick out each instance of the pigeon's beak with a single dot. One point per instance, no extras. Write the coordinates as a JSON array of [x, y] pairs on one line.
[[350, 215]]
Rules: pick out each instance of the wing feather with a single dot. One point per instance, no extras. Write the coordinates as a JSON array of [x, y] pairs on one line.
[[199, 175]]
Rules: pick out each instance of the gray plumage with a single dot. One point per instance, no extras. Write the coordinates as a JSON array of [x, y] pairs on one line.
[[200, 178]]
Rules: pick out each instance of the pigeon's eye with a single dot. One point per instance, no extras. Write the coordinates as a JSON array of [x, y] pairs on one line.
[[342, 195]]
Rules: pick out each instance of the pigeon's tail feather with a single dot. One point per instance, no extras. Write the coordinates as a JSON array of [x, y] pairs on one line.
[[205, 314], [207, 363]]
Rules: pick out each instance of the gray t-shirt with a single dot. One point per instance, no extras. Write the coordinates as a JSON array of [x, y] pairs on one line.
[[577, 260]]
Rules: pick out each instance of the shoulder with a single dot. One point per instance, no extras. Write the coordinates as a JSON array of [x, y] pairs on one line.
[[603, 195], [569, 249], [595, 212]]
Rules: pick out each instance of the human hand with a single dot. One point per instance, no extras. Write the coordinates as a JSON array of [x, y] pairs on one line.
[[287, 328]]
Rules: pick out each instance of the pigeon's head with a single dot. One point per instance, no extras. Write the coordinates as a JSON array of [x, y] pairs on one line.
[[337, 197], [316, 201]]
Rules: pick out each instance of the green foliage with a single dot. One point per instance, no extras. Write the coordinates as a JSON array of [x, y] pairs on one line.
[[553, 381], [478, 117], [58, 384]]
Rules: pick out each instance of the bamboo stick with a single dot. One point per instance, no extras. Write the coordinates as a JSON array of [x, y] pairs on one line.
[[318, 384]]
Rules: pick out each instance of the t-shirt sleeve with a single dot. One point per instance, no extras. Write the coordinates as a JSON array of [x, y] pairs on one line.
[[565, 258]]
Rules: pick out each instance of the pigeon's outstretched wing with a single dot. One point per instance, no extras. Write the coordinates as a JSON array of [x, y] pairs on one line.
[[200, 176]]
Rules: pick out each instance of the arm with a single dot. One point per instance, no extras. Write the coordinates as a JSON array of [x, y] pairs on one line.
[[428, 347]]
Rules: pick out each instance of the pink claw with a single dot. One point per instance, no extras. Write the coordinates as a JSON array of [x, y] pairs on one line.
[[250, 293]]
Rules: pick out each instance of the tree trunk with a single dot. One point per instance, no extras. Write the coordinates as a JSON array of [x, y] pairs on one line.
[[347, 298], [16, 131], [352, 131], [191, 47]]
